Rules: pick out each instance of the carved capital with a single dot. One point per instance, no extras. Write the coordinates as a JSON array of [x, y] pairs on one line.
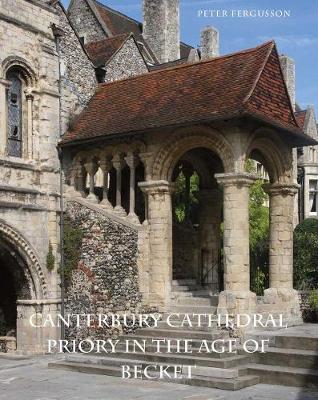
[[236, 179], [280, 189]]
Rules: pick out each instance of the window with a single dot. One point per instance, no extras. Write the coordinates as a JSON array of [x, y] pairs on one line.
[[14, 102], [313, 197]]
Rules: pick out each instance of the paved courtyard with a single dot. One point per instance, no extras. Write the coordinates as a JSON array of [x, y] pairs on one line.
[[30, 379]]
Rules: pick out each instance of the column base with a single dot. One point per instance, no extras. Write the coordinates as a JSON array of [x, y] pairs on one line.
[[133, 218], [92, 198], [234, 302], [106, 204], [120, 211], [284, 301]]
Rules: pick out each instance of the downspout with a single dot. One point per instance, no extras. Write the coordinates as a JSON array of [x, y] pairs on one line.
[[57, 32]]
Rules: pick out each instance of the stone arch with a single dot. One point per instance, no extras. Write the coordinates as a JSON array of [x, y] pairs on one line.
[[34, 269], [18, 62], [276, 158], [185, 140]]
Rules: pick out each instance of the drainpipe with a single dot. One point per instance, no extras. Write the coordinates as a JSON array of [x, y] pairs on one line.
[[58, 32]]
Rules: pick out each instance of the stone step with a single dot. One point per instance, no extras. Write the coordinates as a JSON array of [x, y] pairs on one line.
[[195, 342], [188, 288], [288, 357], [296, 342], [203, 327], [184, 282], [221, 350], [218, 383], [177, 333], [190, 309], [119, 359], [191, 301], [286, 376]]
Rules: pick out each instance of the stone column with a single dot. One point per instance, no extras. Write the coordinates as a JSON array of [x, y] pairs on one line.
[[210, 239], [91, 168], [237, 297], [106, 166], [29, 98], [281, 207], [118, 164], [160, 237], [4, 86], [132, 162]]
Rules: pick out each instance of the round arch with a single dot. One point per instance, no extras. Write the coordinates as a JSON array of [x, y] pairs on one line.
[[24, 250], [181, 142], [272, 153], [18, 62]]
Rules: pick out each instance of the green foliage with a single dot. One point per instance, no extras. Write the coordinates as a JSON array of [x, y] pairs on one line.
[[258, 281], [72, 243], [306, 255], [50, 259], [179, 196], [259, 233], [313, 300]]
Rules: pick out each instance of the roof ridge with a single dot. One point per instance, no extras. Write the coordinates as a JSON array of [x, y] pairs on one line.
[[188, 65], [123, 35], [259, 73], [117, 12]]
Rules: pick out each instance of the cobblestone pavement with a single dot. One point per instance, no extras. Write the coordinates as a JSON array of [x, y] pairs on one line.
[[30, 379]]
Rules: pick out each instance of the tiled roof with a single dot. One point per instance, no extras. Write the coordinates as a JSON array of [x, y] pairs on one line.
[[300, 117], [119, 24], [101, 51], [247, 83]]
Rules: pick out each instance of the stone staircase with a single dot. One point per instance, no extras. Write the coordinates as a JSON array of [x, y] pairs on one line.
[[291, 359], [216, 370]]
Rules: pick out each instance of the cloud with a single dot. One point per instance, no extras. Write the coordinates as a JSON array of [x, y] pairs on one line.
[[292, 40]]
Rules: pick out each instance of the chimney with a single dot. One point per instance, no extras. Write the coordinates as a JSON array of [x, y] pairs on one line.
[[288, 68], [209, 43], [161, 28]]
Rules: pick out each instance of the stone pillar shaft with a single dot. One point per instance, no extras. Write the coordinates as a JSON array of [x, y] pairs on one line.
[[105, 166], [236, 230], [118, 165], [132, 161], [4, 86], [281, 234], [29, 98], [91, 168], [160, 221]]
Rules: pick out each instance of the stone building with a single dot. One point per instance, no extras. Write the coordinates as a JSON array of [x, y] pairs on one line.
[[40, 55], [103, 120]]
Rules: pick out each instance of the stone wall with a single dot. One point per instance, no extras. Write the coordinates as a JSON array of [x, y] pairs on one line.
[[162, 28], [85, 22], [126, 63], [78, 80], [106, 279]]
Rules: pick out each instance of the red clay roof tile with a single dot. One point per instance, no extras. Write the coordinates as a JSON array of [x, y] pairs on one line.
[[249, 82], [101, 51]]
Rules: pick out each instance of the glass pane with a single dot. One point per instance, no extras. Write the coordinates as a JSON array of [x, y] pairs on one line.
[[14, 116], [314, 203]]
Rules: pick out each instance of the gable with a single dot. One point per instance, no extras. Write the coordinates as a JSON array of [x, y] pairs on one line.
[[85, 22], [270, 98]]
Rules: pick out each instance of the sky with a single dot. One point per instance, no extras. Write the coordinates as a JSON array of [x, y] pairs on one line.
[[296, 35]]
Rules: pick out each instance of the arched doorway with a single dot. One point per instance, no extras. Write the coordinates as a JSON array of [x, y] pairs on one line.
[[197, 217], [15, 284], [23, 293]]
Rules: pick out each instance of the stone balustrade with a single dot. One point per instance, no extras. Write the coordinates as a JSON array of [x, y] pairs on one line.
[[110, 180]]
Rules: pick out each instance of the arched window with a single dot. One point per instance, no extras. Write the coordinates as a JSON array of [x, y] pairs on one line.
[[14, 104]]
